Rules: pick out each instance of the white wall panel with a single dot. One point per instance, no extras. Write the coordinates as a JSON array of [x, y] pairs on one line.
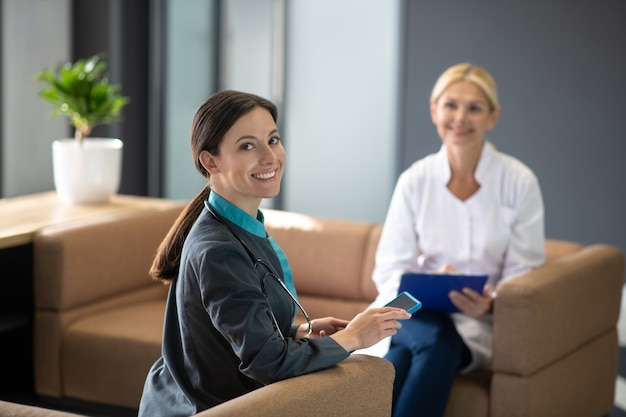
[[190, 81], [35, 35], [341, 104]]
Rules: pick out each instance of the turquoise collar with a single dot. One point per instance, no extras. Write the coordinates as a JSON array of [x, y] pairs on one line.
[[234, 214]]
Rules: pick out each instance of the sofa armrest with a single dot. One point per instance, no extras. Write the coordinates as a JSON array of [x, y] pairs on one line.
[[10, 409], [359, 386], [553, 310]]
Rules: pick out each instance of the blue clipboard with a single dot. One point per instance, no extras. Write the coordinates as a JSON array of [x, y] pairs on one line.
[[432, 288]]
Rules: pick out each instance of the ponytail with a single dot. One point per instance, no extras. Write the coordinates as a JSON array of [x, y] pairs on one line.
[[167, 260]]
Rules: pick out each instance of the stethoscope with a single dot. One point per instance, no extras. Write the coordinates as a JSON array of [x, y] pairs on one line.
[[270, 272]]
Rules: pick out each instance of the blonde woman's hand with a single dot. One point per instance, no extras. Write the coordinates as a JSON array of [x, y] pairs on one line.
[[472, 303], [370, 327], [446, 268]]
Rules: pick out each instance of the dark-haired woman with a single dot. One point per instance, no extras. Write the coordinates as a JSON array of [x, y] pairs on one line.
[[229, 317]]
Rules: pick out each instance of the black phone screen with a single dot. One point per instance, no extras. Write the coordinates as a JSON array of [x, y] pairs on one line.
[[405, 302]]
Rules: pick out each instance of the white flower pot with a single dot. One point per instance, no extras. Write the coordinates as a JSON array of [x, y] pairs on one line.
[[87, 173]]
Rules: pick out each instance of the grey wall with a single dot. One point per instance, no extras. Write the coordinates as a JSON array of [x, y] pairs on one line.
[[559, 66], [561, 74]]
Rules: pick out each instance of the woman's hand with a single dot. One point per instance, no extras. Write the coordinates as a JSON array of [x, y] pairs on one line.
[[370, 327], [322, 327], [472, 303], [446, 268]]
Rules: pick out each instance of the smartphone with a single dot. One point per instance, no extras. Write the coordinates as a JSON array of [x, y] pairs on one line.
[[405, 301]]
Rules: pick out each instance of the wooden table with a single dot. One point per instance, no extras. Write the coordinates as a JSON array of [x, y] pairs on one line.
[[21, 217]]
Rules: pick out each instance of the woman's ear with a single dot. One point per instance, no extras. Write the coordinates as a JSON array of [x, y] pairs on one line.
[[209, 162], [495, 115]]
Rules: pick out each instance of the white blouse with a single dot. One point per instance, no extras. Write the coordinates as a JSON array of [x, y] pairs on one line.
[[498, 231]]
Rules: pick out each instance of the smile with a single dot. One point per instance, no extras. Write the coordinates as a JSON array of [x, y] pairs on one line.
[[265, 176], [460, 131]]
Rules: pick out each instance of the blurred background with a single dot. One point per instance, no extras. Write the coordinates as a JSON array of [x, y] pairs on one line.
[[352, 80]]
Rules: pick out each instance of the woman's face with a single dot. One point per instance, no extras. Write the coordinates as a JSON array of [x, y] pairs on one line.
[[462, 114], [250, 162]]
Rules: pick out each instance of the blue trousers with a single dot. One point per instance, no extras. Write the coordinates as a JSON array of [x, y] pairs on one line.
[[426, 353]]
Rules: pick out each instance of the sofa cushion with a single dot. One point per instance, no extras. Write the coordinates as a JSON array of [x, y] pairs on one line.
[[470, 395], [118, 346]]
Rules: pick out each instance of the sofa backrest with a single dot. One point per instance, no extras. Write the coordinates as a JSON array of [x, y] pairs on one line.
[[332, 260], [87, 261]]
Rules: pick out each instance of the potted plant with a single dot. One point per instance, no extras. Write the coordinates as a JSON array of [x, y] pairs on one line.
[[85, 171]]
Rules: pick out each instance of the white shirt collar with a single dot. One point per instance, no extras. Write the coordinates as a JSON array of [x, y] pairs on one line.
[[486, 156]]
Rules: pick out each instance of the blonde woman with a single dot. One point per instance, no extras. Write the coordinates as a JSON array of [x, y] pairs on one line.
[[467, 208]]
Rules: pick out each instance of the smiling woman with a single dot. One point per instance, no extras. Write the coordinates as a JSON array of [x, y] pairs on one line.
[[229, 318], [467, 208]]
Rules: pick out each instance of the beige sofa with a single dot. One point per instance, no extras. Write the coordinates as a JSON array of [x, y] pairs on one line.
[[98, 322]]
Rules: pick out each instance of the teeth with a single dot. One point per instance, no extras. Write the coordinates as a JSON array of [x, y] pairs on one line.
[[265, 176]]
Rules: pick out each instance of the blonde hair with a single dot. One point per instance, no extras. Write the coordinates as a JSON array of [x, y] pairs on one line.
[[467, 72]]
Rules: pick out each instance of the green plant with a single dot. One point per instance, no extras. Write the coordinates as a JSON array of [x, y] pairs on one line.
[[82, 92]]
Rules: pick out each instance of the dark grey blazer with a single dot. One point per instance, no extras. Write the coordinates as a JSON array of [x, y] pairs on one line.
[[219, 341]]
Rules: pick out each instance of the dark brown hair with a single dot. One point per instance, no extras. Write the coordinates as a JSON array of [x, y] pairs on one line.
[[211, 122]]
